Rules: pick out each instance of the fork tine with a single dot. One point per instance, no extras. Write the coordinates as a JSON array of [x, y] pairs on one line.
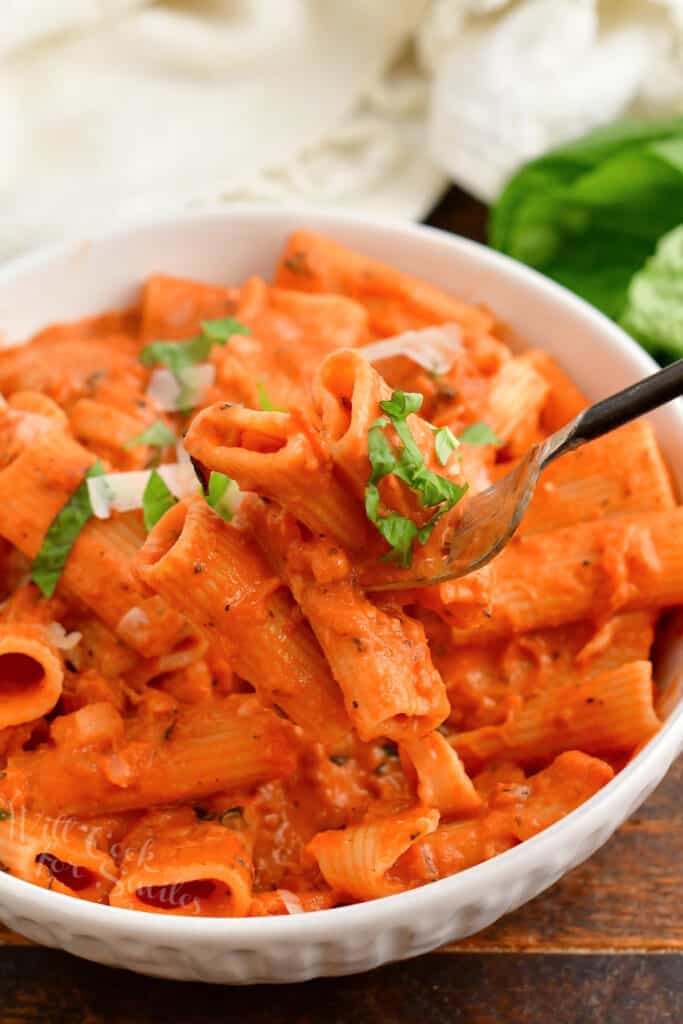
[[490, 518]]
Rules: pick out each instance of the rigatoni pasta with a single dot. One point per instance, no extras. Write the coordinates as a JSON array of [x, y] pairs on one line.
[[206, 707], [175, 864], [31, 674]]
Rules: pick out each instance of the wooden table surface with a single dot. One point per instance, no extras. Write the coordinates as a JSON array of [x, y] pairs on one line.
[[605, 944]]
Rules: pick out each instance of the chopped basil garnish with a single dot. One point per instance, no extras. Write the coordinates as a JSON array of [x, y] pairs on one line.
[[402, 404], [157, 435], [177, 355], [479, 433], [264, 399], [220, 331], [220, 491], [409, 466], [62, 534], [444, 444], [156, 500]]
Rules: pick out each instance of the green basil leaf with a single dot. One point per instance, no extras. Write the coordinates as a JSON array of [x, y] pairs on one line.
[[218, 494], [479, 433], [433, 491], [156, 500], [177, 355], [382, 458], [399, 533], [410, 454], [62, 534], [589, 213], [264, 399], [654, 307], [220, 331], [401, 404], [444, 444], [157, 435], [425, 532], [372, 502]]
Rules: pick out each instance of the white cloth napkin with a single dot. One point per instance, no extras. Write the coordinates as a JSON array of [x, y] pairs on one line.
[[507, 88], [112, 110]]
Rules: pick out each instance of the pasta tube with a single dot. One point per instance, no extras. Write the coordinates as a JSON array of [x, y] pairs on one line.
[[597, 480], [357, 861], [563, 401], [515, 405], [174, 864], [174, 307], [516, 811], [97, 762], [36, 483], [347, 391], [108, 431], [586, 571], [442, 781], [279, 456], [395, 301], [379, 657], [212, 572], [607, 714], [69, 368], [55, 853], [31, 674]]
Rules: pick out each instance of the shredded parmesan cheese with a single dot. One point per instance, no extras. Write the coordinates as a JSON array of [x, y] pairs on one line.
[[133, 623], [122, 492], [433, 348], [59, 637], [291, 901], [184, 390]]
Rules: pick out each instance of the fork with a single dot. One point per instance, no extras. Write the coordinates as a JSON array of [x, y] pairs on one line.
[[489, 519]]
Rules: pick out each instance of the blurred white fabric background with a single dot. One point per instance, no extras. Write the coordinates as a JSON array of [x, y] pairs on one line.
[[117, 109]]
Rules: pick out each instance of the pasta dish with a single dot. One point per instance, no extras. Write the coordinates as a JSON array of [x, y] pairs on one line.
[[208, 702]]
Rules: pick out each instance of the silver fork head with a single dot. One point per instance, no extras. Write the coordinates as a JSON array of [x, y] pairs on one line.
[[487, 522], [490, 518]]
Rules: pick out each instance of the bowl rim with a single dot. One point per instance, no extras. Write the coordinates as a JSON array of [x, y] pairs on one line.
[[468, 886]]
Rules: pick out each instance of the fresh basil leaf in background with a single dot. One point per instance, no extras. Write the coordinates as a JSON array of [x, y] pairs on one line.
[[654, 307], [62, 534], [589, 214]]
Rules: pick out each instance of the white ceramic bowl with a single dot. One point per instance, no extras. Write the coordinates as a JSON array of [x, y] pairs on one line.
[[225, 246]]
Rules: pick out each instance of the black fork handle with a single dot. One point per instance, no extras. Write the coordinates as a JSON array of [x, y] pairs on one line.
[[636, 400]]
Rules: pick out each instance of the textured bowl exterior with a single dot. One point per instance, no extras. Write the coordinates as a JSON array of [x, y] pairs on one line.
[[227, 245]]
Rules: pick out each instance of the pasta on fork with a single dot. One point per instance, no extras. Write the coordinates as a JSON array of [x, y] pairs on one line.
[[205, 706]]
